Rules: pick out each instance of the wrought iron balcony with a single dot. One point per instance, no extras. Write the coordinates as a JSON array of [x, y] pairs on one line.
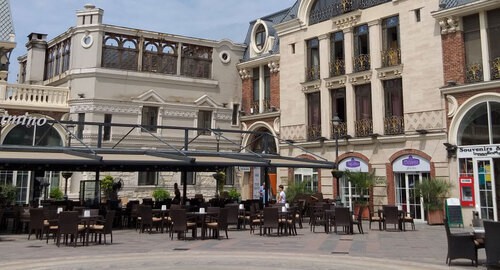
[[55, 98], [363, 127], [474, 73], [394, 125], [391, 57], [361, 62], [340, 130], [337, 67], [495, 68], [313, 132], [312, 73], [255, 107]]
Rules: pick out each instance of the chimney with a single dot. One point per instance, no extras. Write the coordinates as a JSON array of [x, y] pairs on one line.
[[90, 15], [35, 62]]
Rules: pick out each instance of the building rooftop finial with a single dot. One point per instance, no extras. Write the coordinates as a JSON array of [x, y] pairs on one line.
[[89, 6]]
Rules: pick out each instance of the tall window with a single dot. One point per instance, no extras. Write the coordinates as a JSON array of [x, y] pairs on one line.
[[267, 89], [480, 125], [106, 136], [337, 62], [256, 90], [204, 122], [81, 125], [190, 178], [393, 100], [66, 56], [361, 48], [363, 122], [159, 57], [391, 54], [339, 109], [312, 69], [229, 176], [494, 39], [196, 61], [313, 115], [147, 178], [150, 118], [235, 115], [473, 55]]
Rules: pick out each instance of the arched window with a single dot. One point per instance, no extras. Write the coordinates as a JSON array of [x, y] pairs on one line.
[[34, 135], [480, 125]]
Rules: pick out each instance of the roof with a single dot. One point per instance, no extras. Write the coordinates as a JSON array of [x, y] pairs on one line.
[[6, 27], [445, 4]]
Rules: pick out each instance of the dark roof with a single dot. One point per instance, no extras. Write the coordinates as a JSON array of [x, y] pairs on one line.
[[446, 4], [6, 27]]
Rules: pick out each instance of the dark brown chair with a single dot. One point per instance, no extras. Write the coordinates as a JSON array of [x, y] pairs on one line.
[[492, 242], [391, 216], [343, 219], [270, 220], [219, 223], [105, 228], [146, 219], [232, 214], [407, 218], [180, 223], [68, 226], [36, 223], [375, 217], [460, 246], [358, 220]]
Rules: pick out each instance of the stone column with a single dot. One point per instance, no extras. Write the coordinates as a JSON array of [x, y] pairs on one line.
[[376, 84], [324, 60], [485, 52]]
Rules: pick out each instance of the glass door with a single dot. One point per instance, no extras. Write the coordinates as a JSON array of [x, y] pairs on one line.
[[406, 197], [485, 186]]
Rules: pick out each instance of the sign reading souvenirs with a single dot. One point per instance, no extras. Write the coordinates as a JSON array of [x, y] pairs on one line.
[[24, 120], [491, 150]]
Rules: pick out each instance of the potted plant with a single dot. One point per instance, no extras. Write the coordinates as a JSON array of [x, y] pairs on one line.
[[56, 194], [362, 182], [220, 178], [234, 195], [297, 189], [8, 195], [433, 192], [107, 186], [160, 194]]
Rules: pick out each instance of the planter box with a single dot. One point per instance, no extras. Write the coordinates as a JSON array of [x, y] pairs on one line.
[[435, 217]]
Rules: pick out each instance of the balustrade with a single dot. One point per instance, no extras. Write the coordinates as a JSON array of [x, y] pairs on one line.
[[474, 73], [34, 95], [495, 68], [340, 130], [313, 132], [312, 73]]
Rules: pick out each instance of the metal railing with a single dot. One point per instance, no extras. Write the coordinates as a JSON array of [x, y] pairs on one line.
[[313, 132], [337, 67], [363, 127], [312, 73], [394, 125], [391, 57], [474, 73], [495, 68], [361, 62], [340, 130]]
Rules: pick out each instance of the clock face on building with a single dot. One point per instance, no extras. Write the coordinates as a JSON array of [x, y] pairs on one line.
[[87, 41]]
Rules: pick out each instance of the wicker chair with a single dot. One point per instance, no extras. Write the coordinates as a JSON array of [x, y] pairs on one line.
[[105, 228], [180, 223], [375, 217], [343, 219], [358, 220], [219, 223], [146, 219], [68, 226], [36, 223], [460, 246], [492, 242], [391, 216], [270, 220]]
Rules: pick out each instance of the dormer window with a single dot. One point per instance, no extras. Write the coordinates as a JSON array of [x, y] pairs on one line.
[[260, 36]]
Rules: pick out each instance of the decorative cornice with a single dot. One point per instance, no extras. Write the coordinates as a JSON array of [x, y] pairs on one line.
[[308, 87], [347, 20], [336, 82], [360, 77], [388, 73], [449, 25]]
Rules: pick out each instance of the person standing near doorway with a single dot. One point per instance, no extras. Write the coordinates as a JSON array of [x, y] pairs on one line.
[[177, 197], [282, 195]]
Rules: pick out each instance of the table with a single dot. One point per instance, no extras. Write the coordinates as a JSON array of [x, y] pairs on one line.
[[201, 220]]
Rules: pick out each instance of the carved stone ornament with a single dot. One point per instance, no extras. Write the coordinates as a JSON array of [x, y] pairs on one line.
[[245, 74], [449, 25], [274, 66]]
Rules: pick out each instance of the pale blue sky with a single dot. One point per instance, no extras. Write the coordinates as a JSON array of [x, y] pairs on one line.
[[210, 19]]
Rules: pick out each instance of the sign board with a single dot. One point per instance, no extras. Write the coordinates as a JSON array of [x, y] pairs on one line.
[[244, 169], [353, 164], [454, 212], [24, 120], [256, 182], [411, 163], [475, 151]]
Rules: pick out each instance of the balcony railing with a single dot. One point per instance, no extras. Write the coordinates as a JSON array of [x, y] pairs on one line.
[[391, 57], [337, 67], [495, 68], [474, 73], [361, 62], [394, 125], [313, 132], [255, 107], [312, 73], [364, 127], [34, 96], [340, 130]]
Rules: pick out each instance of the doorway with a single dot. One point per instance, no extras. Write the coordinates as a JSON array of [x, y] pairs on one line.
[[486, 190], [406, 196]]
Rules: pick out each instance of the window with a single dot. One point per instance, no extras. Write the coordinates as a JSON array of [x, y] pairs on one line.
[[20, 180], [479, 125], [81, 125], [417, 15], [339, 108], [312, 70], [256, 91], [204, 122], [313, 115], [393, 98], [267, 89], [150, 118], [66, 56], [235, 115], [229, 176], [107, 128], [292, 46], [337, 62], [159, 57], [363, 123], [147, 178], [473, 55], [260, 36], [361, 48], [391, 54], [307, 176], [190, 178], [120, 51], [196, 61], [493, 17]]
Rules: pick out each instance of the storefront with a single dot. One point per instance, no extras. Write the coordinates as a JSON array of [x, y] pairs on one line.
[[348, 193]]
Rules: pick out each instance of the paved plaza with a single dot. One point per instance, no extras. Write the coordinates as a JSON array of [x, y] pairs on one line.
[[424, 248]]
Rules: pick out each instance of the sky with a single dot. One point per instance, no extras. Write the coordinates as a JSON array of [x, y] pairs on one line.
[[209, 19]]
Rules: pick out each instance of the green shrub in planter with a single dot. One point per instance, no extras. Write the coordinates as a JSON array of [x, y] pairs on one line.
[[8, 194], [56, 194], [160, 194], [234, 194]]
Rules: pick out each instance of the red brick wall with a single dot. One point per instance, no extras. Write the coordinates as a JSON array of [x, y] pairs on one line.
[[275, 90], [453, 57], [246, 95]]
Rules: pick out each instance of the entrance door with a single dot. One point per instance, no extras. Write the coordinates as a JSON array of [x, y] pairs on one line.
[[485, 187], [406, 197]]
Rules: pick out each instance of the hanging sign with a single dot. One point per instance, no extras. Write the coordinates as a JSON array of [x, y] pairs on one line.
[[491, 150], [411, 163], [353, 164]]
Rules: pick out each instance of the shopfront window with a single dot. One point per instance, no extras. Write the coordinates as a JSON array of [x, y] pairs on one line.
[[481, 125], [309, 176]]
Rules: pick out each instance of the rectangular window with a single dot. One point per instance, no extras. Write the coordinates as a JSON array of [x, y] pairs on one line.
[[256, 91], [339, 104], [493, 17], [473, 55], [393, 101], [364, 124], [267, 89], [337, 62], [314, 115], [312, 69], [391, 54], [81, 125], [235, 115], [106, 136], [417, 15], [229, 176], [150, 118], [190, 178], [204, 122], [147, 178], [361, 48]]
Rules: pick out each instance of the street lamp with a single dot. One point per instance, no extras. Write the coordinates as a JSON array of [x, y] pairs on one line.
[[66, 175], [337, 174]]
